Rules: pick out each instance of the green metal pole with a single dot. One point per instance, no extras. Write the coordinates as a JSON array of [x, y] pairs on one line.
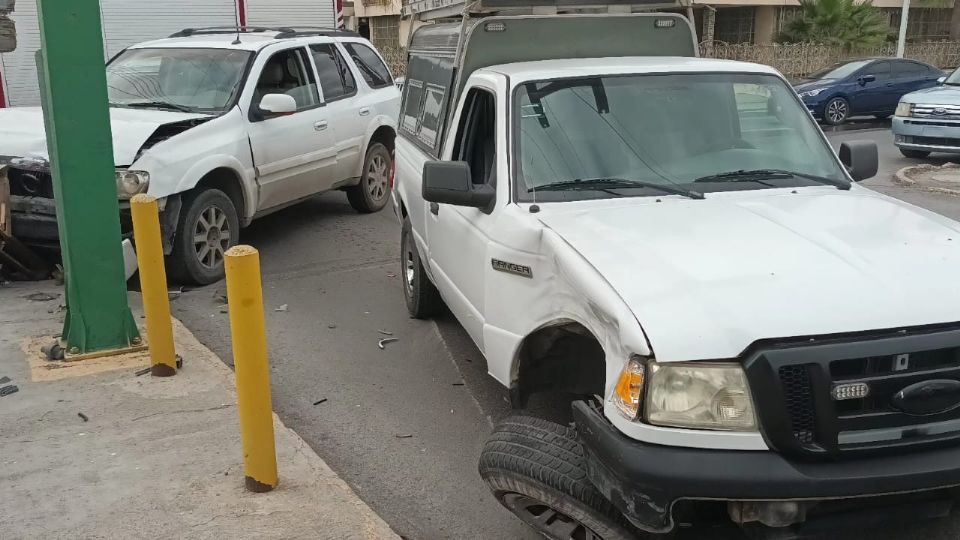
[[74, 90]]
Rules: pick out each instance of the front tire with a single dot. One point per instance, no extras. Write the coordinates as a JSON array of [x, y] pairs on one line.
[[208, 226], [537, 470], [422, 297], [836, 111], [373, 191], [914, 154]]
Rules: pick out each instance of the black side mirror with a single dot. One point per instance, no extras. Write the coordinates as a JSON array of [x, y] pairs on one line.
[[450, 182], [864, 79], [861, 159]]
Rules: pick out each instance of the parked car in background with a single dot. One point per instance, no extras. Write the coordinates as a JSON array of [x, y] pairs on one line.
[[928, 120], [865, 87], [224, 125]]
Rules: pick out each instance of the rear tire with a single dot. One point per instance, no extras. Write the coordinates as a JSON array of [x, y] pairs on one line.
[[914, 154], [537, 470], [422, 297], [373, 191], [207, 227]]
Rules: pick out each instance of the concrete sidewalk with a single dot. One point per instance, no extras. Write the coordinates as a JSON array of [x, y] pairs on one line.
[[155, 458]]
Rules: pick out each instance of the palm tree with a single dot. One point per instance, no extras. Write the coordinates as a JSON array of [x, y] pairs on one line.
[[837, 22]]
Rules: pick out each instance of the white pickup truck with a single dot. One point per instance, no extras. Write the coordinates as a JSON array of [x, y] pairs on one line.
[[673, 242], [224, 125]]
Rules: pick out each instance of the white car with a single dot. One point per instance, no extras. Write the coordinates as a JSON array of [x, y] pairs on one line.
[[224, 126], [672, 246]]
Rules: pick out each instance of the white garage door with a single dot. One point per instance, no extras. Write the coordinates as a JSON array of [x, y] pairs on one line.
[[125, 22], [279, 13]]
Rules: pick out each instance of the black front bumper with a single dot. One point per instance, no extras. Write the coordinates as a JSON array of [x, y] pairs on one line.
[[645, 481]]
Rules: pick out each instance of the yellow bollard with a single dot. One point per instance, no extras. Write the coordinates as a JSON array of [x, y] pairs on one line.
[[249, 335], [153, 284]]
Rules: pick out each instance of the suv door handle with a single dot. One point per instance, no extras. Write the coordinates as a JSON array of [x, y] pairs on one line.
[[365, 111], [320, 126], [434, 208]]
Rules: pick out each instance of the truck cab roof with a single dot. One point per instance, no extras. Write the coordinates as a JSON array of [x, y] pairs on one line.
[[552, 69]]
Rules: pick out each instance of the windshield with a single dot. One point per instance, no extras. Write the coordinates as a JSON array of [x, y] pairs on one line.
[[200, 80], [954, 78], [840, 70], [674, 130]]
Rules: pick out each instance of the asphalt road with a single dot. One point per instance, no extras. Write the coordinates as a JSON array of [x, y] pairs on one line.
[[404, 426]]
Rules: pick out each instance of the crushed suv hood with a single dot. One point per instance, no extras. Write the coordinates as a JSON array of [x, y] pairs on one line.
[[23, 133], [707, 278]]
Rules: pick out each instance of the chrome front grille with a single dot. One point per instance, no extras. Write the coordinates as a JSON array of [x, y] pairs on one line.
[[938, 112]]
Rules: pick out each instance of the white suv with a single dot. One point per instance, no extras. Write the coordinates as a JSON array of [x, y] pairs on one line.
[[225, 125]]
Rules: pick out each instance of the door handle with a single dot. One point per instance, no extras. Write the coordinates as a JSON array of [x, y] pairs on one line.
[[365, 111], [320, 126], [434, 208]]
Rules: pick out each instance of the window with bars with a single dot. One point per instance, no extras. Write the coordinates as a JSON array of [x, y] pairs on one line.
[[734, 25], [385, 31], [923, 24], [787, 14]]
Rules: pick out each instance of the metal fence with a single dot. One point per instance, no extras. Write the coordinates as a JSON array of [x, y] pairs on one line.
[[799, 59]]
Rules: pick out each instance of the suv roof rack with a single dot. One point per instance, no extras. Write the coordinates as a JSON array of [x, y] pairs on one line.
[[285, 32]]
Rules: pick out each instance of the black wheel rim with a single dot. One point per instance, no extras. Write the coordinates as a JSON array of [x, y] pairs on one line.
[[549, 521]]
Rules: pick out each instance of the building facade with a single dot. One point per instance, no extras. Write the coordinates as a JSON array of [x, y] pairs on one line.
[[126, 22]]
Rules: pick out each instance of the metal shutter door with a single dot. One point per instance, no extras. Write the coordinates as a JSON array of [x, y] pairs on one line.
[[19, 67], [278, 13]]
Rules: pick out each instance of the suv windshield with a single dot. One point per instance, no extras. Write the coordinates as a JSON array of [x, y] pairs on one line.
[[199, 80], [589, 137], [954, 78]]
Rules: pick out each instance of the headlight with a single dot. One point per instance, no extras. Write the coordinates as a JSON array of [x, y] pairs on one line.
[[699, 395], [629, 390], [904, 109], [811, 93], [130, 183]]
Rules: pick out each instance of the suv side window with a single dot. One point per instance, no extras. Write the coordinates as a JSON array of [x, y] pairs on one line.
[[286, 72], [336, 80], [371, 67], [476, 141]]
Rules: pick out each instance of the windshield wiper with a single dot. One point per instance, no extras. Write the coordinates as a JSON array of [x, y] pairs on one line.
[[755, 174], [157, 105], [604, 184]]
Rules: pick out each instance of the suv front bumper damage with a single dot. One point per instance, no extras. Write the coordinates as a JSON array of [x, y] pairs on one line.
[[645, 481]]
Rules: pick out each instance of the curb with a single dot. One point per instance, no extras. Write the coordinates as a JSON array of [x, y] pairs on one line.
[[902, 177]]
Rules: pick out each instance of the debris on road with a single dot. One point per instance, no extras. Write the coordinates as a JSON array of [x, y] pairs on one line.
[[404, 435], [284, 308], [220, 297], [7, 390], [384, 341], [384, 332], [83, 417], [173, 295], [41, 297], [142, 372], [391, 275], [53, 351], [331, 326], [458, 384], [324, 400], [4, 380]]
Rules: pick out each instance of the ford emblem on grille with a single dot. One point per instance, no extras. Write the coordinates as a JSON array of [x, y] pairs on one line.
[[939, 111], [928, 397]]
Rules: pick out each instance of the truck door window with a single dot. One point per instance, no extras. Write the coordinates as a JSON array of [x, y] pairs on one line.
[[476, 136], [336, 81], [286, 73]]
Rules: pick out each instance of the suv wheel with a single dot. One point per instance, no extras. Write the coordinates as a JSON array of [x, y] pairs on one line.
[[422, 298], [836, 111], [207, 228], [536, 469], [373, 191], [914, 154]]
